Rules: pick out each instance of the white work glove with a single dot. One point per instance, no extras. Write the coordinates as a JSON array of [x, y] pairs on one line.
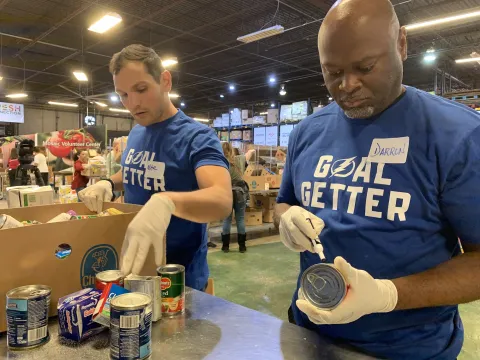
[[94, 196], [296, 232], [365, 295], [146, 229]]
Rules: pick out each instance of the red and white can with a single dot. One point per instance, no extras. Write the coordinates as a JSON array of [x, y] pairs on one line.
[[102, 279]]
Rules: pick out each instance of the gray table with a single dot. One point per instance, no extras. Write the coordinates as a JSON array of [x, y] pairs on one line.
[[212, 328]]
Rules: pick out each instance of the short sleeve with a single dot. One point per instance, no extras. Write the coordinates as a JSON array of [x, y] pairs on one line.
[[286, 195], [205, 149], [36, 159], [460, 196]]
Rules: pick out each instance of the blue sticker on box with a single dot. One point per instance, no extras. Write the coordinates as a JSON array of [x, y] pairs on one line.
[[97, 259]]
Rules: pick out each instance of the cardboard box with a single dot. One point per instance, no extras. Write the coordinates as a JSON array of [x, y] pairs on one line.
[[265, 202], [272, 116], [247, 135], [97, 168], [253, 217], [23, 196], [274, 181], [28, 255], [268, 216], [236, 135]]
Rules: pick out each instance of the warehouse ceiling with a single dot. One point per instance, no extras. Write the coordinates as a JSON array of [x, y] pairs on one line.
[[44, 40]]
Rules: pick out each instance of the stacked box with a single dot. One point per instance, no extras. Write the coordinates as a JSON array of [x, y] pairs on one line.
[[236, 135], [247, 135]]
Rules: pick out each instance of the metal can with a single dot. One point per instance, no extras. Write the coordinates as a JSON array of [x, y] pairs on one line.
[[102, 279], [131, 327], [323, 286], [149, 285], [27, 316], [173, 289], [8, 222]]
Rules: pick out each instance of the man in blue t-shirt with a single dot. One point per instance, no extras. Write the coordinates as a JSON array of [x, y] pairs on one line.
[[172, 165], [389, 177]]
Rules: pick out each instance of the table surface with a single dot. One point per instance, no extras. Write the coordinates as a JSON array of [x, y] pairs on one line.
[[211, 328]]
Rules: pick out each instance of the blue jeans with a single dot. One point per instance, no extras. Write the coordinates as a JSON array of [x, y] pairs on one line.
[[239, 208]]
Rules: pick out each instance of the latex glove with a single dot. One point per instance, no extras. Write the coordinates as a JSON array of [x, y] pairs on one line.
[[146, 229], [365, 295], [94, 196], [296, 232]]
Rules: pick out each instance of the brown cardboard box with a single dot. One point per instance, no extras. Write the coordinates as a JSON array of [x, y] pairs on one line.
[[263, 201], [274, 181], [28, 253], [255, 183], [268, 216], [253, 217]]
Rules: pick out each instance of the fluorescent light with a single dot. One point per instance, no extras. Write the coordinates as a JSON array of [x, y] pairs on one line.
[[169, 62], [444, 20], [272, 105], [262, 34], [201, 120], [430, 58], [461, 61], [283, 91], [222, 96], [16, 95], [231, 87], [272, 80], [100, 104], [106, 23], [330, 98], [264, 113], [119, 110], [114, 98], [182, 104], [80, 75], [173, 96], [62, 104]]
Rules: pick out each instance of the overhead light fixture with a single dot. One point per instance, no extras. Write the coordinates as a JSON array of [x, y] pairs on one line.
[[261, 34], [222, 96], [264, 113], [272, 80], [272, 105], [16, 95], [283, 91], [100, 104], [201, 120], [80, 75], [330, 98], [430, 56], [169, 62], [173, 96], [444, 20], [182, 104], [62, 104], [119, 110], [106, 23], [114, 98], [231, 87], [467, 60]]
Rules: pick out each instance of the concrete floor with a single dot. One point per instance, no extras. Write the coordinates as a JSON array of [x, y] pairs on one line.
[[264, 279]]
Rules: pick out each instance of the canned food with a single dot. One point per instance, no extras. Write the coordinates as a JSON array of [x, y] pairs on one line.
[[131, 327], [173, 289], [102, 279], [27, 316], [149, 285], [8, 222], [323, 286]]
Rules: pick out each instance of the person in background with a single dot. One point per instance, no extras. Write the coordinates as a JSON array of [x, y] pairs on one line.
[[40, 161], [81, 163], [113, 161], [12, 165], [250, 155], [240, 197]]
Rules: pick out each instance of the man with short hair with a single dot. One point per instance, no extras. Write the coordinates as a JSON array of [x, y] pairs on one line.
[[390, 174], [172, 165]]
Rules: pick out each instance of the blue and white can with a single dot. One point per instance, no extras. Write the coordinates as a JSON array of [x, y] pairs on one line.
[[27, 316], [131, 327]]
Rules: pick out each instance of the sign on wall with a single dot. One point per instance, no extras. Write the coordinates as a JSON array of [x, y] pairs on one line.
[[271, 136], [259, 136], [12, 113], [285, 131]]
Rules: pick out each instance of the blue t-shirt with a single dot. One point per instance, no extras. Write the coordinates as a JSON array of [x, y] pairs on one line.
[[179, 145], [394, 191]]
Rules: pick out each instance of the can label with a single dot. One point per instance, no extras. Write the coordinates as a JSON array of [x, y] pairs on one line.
[[27, 321], [173, 293], [104, 278], [131, 333], [149, 285]]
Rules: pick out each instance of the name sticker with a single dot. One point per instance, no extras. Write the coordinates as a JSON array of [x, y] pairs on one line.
[[155, 170], [389, 151]]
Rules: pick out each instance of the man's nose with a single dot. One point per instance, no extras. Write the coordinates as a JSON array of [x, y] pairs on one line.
[[350, 83]]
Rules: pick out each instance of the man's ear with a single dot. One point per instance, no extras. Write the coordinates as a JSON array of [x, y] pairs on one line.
[[166, 80], [402, 43]]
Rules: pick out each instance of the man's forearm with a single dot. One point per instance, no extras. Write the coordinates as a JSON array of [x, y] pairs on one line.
[[451, 283], [280, 209], [117, 181], [202, 206]]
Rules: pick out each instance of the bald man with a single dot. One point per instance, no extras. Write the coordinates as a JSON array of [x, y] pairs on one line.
[[389, 177]]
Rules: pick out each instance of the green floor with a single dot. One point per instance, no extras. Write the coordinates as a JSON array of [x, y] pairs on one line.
[[264, 279]]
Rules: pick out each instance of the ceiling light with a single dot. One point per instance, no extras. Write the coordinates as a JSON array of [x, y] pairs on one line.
[[231, 87], [272, 105], [16, 95], [444, 20], [430, 56], [119, 110], [330, 98], [264, 113], [173, 96], [182, 104], [114, 98], [201, 120], [222, 96], [272, 80], [262, 34], [62, 104], [80, 75], [100, 104], [169, 62], [283, 91], [461, 61], [106, 23]]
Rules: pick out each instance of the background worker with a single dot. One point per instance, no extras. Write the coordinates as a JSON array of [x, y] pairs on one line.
[[80, 181], [391, 174], [40, 161], [173, 165]]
